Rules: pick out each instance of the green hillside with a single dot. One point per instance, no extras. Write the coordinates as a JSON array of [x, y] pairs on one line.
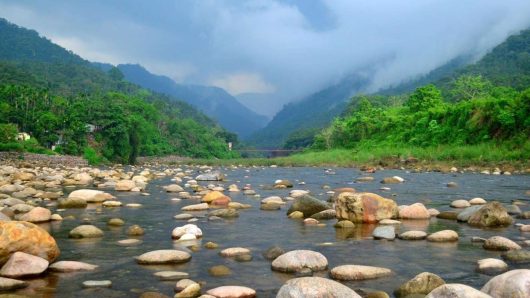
[[486, 103], [63, 101]]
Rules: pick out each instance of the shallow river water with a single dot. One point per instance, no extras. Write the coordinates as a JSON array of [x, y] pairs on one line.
[[258, 230]]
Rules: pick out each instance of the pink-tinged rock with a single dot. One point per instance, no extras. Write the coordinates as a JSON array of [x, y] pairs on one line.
[[296, 260], [512, 284], [163, 256], [37, 214], [69, 266], [414, 211], [232, 292], [315, 287], [21, 264], [456, 291], [364, 207]]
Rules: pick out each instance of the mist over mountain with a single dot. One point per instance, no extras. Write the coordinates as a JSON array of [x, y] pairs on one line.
[[213, 101]]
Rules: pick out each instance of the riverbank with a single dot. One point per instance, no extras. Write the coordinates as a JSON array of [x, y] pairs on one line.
[[441, 158]]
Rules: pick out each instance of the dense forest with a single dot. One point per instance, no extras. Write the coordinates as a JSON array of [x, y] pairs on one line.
[[482, 113], [64, 102]]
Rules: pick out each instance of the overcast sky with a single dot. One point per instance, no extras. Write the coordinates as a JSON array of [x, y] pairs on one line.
[[285, 48]]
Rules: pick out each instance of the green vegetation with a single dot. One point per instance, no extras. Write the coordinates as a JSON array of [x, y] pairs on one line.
[[65, 102]]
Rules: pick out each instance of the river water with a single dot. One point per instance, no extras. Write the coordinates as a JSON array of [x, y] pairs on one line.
[[257, 230]]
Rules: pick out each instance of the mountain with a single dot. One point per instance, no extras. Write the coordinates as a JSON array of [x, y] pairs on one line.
[[213, 101], [65, 102], [314, 111]]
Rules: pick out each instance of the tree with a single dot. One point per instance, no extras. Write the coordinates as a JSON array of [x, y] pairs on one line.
[[469, 87], [424, 98], [8, 133], [116, 74]]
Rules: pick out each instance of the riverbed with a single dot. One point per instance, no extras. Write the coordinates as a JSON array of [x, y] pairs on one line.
[[258, 230]]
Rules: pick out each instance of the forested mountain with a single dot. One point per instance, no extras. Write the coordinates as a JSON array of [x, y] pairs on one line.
[[213, 101], [64, 101], [484, 103], [310, 113]]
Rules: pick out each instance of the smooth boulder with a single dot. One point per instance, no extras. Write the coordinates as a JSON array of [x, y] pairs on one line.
[[85, 231], [512, 284], [163, 256], [414, 211], [296, 260], [456, 291], [232, 292], [26, 237], [358, 272], [315, 287], [21, 264]]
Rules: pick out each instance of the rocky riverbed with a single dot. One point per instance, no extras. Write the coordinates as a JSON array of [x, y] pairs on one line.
[[189, 231]]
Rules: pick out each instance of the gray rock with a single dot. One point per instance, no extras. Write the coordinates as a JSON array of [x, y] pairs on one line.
[[273, 252], [308, 205], [324, 215], [387, 232], [164, 256], [466, 213], [224, 213], [358, 272], [296, 260]]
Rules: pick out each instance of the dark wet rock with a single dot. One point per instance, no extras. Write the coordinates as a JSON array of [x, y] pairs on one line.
[[308, 205], [516, 256], [219, 270], [72, 203], [344, 224], [421, 284], [135, 230], [451, 215], [225, 213], [491, 215], [325, 215], [500, 243], [273, 252]]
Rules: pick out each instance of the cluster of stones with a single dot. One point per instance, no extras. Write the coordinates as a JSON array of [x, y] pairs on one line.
[[27, 250]]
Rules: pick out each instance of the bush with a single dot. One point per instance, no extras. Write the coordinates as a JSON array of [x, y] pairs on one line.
[[92, 156]]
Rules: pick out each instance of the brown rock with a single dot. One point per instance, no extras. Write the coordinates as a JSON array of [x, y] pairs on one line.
[[414, 211], [26, 237], [491, 215], [364, 207]]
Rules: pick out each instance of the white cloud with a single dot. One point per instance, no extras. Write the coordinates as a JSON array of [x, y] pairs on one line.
[[239, 83]]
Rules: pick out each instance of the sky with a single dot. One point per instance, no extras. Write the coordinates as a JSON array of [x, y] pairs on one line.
[[281, 50]]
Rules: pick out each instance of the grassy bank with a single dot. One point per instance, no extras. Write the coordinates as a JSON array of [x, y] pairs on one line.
[[480, 156]]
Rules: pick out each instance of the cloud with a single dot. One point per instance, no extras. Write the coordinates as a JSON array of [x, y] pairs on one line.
[[240, 83], [290, 48]]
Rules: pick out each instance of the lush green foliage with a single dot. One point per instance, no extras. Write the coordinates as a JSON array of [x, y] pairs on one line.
[[483, 114], [123, 126], [64, 101]]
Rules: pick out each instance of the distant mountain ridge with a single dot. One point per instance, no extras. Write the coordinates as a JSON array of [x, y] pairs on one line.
[[314, 111], [213, 101]]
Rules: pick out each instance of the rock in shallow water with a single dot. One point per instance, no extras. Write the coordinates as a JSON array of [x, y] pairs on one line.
[[26, 237], [164, 256], [308, 205], [70, 266], [315, 287], [9, 284], [232, 292], [86, 231], [414, 211], [491, 266], [421, 284], [234, 251], [364, 207], [512, 284], [296, 260], [500, 243], [97, 284], [413, 235], [491, 215], [358, 272], [443, 236], [171, 275], [21, 264], [387, 232], [456, 291]]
